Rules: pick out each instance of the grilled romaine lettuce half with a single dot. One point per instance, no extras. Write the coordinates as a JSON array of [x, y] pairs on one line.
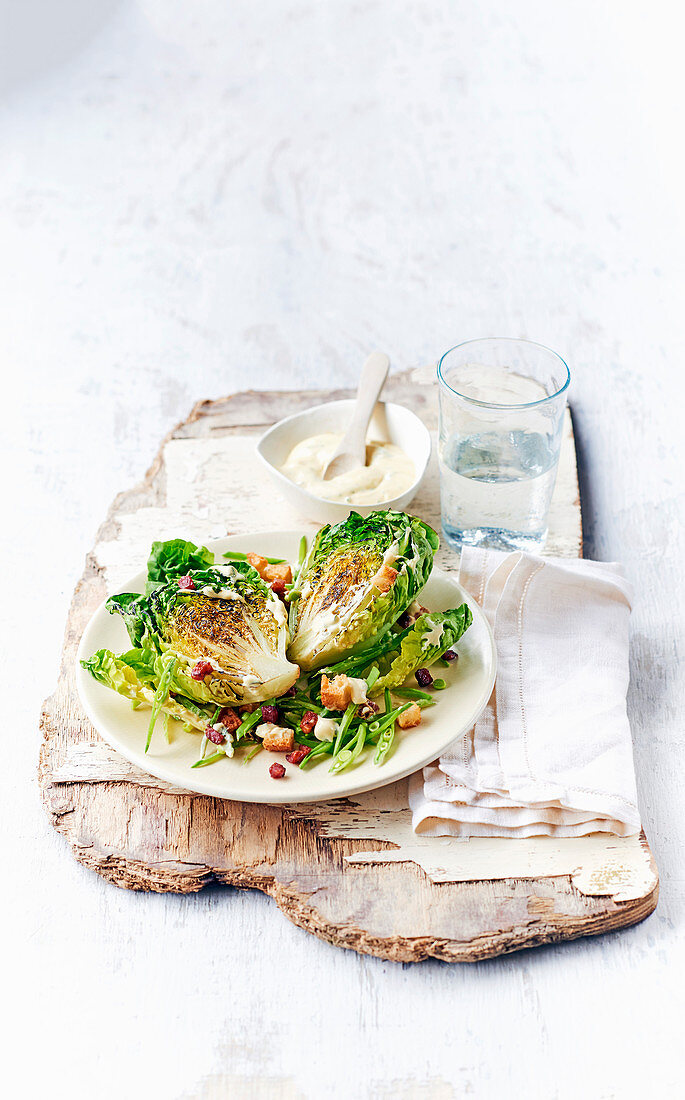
[[231, 620], [338, 606], [398, 655]]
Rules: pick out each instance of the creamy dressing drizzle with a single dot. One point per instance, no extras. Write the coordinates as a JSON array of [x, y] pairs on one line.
[[433, 636], [388, 473], [358, 690], [266, 727], [216, 593], [390, 555], [325, 729]]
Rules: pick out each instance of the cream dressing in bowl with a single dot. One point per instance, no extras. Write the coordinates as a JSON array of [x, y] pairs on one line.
[[388, 473], [390, 424]]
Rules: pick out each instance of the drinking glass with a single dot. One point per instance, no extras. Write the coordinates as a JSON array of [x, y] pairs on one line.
[[501, 416]]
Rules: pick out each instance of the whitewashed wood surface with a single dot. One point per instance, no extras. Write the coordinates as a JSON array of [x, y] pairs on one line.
[[195, 198]]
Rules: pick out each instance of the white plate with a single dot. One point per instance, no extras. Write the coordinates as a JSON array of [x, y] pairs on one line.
[[469, 684]]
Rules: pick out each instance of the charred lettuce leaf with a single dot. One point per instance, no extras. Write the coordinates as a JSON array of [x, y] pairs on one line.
[[337, 606], [231, 620]]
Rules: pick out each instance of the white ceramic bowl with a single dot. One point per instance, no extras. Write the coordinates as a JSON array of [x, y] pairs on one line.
[[390, 424]]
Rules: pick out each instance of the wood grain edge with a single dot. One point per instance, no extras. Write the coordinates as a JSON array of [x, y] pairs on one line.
[[535, 933], [543, 926]]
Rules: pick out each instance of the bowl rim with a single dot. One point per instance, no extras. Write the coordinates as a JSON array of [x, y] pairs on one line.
[[340, 401]]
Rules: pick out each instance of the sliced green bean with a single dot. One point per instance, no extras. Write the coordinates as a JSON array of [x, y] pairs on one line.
[[253, 752], [360, 742], [324, 748], [387, 736], [341, 760], [383, 720], [343, 727], [160, 696], [384, 745], [209, 760], [237, 555], [373, 675], [412, 693], [249, 722]]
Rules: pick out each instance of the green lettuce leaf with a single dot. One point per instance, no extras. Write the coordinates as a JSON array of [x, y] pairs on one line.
[[421, 645], [135, 675], [175, 558], [397, 655]]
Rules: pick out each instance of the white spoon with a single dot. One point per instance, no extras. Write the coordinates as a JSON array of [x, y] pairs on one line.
[[351, 454]]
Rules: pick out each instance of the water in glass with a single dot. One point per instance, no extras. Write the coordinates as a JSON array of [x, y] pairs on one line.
[[498, 467]]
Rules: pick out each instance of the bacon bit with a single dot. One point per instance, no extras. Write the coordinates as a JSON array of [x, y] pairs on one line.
[[298, 756], [276, 771], [270, 713], [257, 562], [450, 655], [278, 587], [411, 614], [423, 677], [200, 670], [215, 736], [384, 578], [229, 719], [308, 721], [187, 583]]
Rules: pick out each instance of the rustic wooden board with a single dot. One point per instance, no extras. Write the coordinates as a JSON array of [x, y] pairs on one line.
[[350, 871]]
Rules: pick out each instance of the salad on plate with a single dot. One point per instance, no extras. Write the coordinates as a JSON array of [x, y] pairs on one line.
[[320, 659]]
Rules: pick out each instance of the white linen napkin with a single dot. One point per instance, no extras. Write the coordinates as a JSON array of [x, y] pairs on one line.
[[552, 752]]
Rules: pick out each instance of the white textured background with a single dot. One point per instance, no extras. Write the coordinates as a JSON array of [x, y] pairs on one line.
[[197, 197]]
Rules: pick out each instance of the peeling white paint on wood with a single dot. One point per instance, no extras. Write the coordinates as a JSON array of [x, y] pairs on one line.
[[598, 864]]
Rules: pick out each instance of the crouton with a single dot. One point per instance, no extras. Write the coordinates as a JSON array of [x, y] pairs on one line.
[[276, 738], [258, 562], [336, 693], [278, 572], [410, 717], [384, 578], [229, 719]]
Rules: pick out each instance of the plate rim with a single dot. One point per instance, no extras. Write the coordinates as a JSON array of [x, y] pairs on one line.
[[147, 763]]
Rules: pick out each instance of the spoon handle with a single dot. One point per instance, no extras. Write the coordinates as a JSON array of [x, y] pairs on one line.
[[374, 374]]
